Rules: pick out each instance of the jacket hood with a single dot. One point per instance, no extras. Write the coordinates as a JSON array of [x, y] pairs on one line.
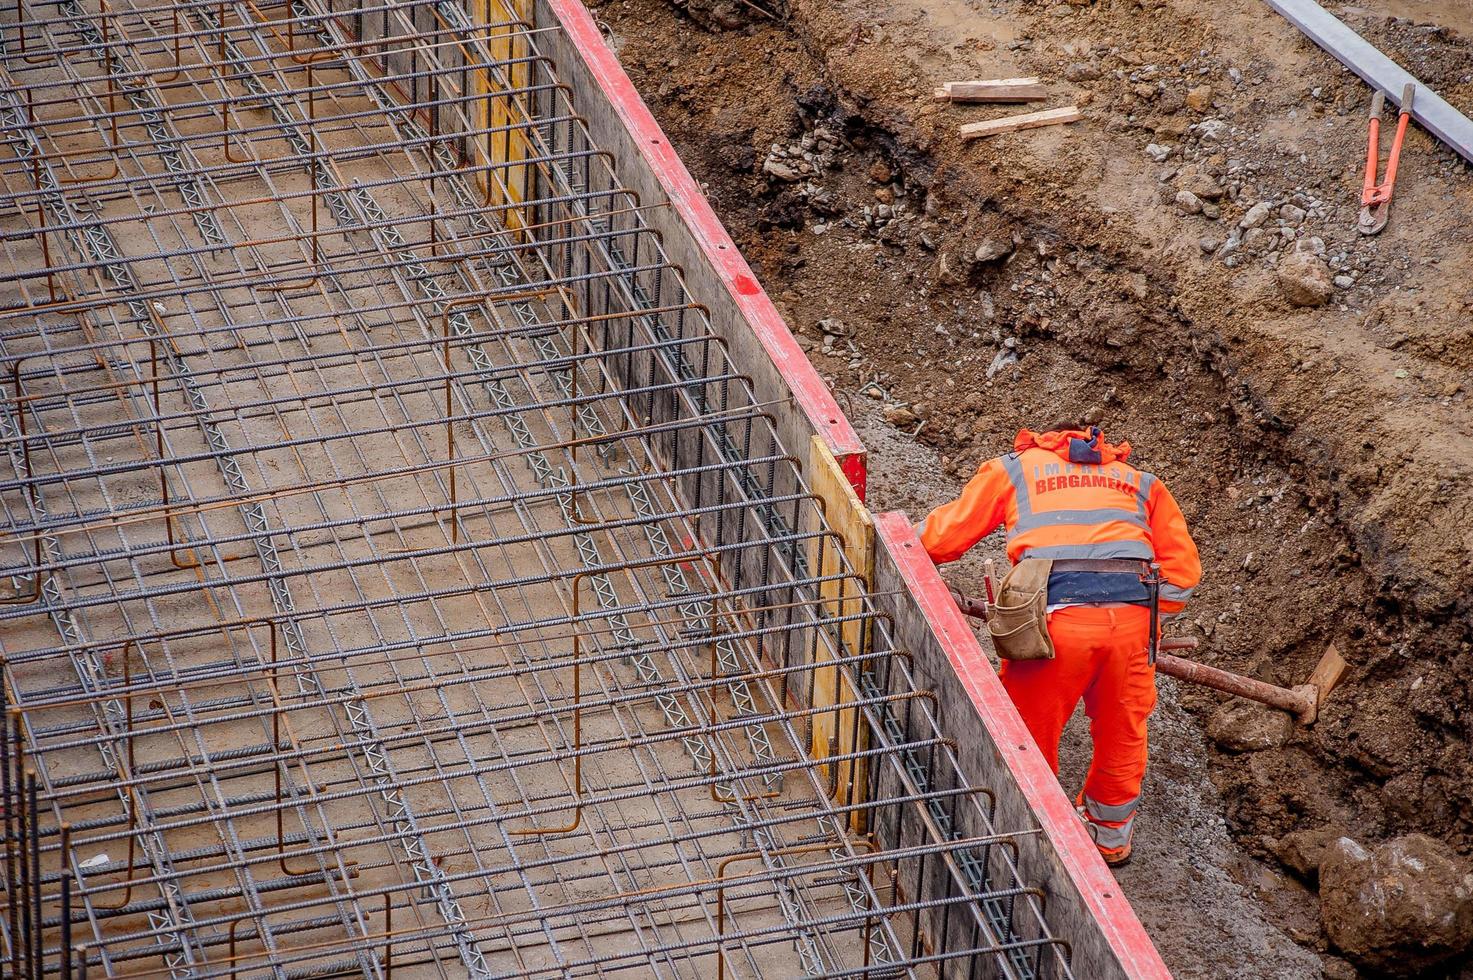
[[1074, 445]]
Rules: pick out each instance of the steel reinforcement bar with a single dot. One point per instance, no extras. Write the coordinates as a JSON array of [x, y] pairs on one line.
[[402, 576]]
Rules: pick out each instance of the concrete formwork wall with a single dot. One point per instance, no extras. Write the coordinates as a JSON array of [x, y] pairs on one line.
[[715, 272], [1080, 898], [736, 310]]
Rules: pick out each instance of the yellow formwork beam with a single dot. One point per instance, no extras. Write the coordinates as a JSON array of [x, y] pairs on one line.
[[839, 731], [506, 44]]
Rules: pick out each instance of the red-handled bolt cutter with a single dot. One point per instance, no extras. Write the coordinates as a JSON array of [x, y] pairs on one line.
[[1375, 199]]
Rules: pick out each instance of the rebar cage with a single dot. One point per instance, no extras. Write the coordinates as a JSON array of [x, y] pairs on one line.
[[400, 578]]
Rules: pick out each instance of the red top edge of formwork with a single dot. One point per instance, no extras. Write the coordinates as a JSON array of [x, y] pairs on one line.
[[809, 390], [1101, 894]]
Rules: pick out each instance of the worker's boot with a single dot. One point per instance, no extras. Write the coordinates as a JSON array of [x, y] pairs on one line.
[[1115, 857]]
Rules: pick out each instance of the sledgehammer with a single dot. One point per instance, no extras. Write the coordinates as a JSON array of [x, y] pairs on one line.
[[1302, 701]]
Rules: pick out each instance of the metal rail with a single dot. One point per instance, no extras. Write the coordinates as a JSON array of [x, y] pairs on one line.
[[399, 576]]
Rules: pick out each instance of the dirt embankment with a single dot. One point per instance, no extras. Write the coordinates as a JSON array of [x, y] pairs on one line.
[[1137, 268]]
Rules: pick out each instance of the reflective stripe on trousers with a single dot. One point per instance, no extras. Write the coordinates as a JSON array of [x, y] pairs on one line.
[[1111, 826], [1112, 838]]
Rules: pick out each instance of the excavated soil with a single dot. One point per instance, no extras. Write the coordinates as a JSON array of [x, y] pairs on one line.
[[951, 292]]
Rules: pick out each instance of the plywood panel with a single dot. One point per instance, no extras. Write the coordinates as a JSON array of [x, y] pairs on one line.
[[506, 43], [839, 731]]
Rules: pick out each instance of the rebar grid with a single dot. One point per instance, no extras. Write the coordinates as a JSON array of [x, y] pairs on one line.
[[403, 579]]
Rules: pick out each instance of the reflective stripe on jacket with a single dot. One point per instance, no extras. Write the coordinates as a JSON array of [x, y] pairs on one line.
[[1072, 495]]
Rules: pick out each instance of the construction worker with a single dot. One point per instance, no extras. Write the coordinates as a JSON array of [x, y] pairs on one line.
[[1068, 495]]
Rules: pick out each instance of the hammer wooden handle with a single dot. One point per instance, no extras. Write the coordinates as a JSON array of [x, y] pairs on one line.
[[1302, 702]]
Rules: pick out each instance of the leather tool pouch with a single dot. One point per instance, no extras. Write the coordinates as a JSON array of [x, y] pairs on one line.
[[1019, 620]]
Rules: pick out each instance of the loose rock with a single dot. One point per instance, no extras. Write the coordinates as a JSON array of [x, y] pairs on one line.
[[1211, 130], [1247, 726], [1157, 152], [1188, 203], [1256, 215], [781, 171], [1304, 279], [1004, 358], [1081, 72], [949, 271], [1201, 185], [991, 249], [1199, 98], [1301, 851], [1399, 909], [900, 416]]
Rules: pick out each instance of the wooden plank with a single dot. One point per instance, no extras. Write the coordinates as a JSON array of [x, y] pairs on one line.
[[507, 143], [993, 90], [1379, 71], [1025, 120], [836, 731]]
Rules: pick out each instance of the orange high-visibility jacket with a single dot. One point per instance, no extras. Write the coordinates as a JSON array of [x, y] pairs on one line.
[[1072, 495]]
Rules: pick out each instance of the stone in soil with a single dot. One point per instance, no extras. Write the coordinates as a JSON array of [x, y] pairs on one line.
[[900, 416], [1301, 851], [991, 249], [1256, 215], [1247, 726], [1211, 130], [781, 171], [1304, 279], [1399, 909], [1201, 185]]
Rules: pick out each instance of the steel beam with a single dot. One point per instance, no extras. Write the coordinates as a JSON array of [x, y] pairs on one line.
[[1380, 72]]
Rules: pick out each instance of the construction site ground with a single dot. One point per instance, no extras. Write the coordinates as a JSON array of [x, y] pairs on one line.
[[951, 292]]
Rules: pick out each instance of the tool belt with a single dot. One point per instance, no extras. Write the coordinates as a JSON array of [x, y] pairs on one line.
[[1019, 620], [1018, 624]]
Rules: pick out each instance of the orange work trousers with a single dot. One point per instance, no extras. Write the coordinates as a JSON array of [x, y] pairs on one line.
[[1100, 654]]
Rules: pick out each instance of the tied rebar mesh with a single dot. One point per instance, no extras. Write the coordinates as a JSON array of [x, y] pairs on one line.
[[399, 576]]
